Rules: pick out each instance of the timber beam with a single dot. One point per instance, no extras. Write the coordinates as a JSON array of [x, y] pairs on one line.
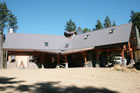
[[57, 61], [66, 61], [85, 59]]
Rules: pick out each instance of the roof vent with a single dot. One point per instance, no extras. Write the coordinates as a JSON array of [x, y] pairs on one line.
[[46, 44], [67, 45], [111, 31], [86, 37]]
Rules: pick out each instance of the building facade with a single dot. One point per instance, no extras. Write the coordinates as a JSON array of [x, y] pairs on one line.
[[90, 49]]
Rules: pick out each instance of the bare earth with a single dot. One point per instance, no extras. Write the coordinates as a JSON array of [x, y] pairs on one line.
[[72, 80]]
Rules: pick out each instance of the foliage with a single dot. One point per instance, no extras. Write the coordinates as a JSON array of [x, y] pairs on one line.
[[86, 30], [7, 19], [3, 16], [107, 22], [12, 22], [70, 26], [79, 30], [98, 25], [114, 24], [135, 19]]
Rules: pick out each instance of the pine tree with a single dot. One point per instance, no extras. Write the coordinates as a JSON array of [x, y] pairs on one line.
[[7, 19], [98, 25], [3, 16], [70, 26], [79, 30], [107, 22], [12, 22], [86, 30], [135, 19], [114, 24]]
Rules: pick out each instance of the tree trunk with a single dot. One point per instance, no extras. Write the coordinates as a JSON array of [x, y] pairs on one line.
[[1, 52]]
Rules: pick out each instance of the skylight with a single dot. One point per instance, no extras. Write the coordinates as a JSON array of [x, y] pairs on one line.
[[46, 44]]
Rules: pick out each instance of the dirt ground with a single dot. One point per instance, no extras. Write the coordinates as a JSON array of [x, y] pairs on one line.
[[71, 80]]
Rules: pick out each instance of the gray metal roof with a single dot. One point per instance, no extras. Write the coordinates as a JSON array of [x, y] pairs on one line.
[[61, 44], [33, 41], [102, 37]]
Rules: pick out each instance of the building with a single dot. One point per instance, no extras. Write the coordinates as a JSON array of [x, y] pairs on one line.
[[87, 49]]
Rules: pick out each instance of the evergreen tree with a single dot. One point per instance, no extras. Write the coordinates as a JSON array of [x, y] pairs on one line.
[[107, 22], [3, 16], [7, 19], [98, 25], [12, 22], [135, 19], [79, 30], [114, 24], [70, 26], [86, 30]]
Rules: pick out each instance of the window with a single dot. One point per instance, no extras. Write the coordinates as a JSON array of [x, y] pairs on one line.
[[46, 44]]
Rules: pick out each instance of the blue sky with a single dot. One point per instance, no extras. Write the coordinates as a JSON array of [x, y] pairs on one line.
[[50, 16]]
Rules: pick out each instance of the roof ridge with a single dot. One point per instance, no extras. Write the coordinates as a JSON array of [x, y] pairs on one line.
[[104, 28]]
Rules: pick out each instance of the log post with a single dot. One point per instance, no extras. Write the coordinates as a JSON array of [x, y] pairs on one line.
[[132, 62], [85, 60], [57, 66], [42, 64], [66, 61], [1, 51], [6, 59], [97, 59], [122, 54]]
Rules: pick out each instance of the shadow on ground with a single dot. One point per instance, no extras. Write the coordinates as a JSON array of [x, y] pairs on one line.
[[47, 87], [6, 83]]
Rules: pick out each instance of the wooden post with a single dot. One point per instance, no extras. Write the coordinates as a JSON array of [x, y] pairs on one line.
[[85, 59], [97, 55], [132, 62], [123, 50], [132, 55], [66, 61], [97, 59], [42, 60], [123, 63], [57, 61], [6, 59], [129, 48], [122, 53], [1, 51]]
